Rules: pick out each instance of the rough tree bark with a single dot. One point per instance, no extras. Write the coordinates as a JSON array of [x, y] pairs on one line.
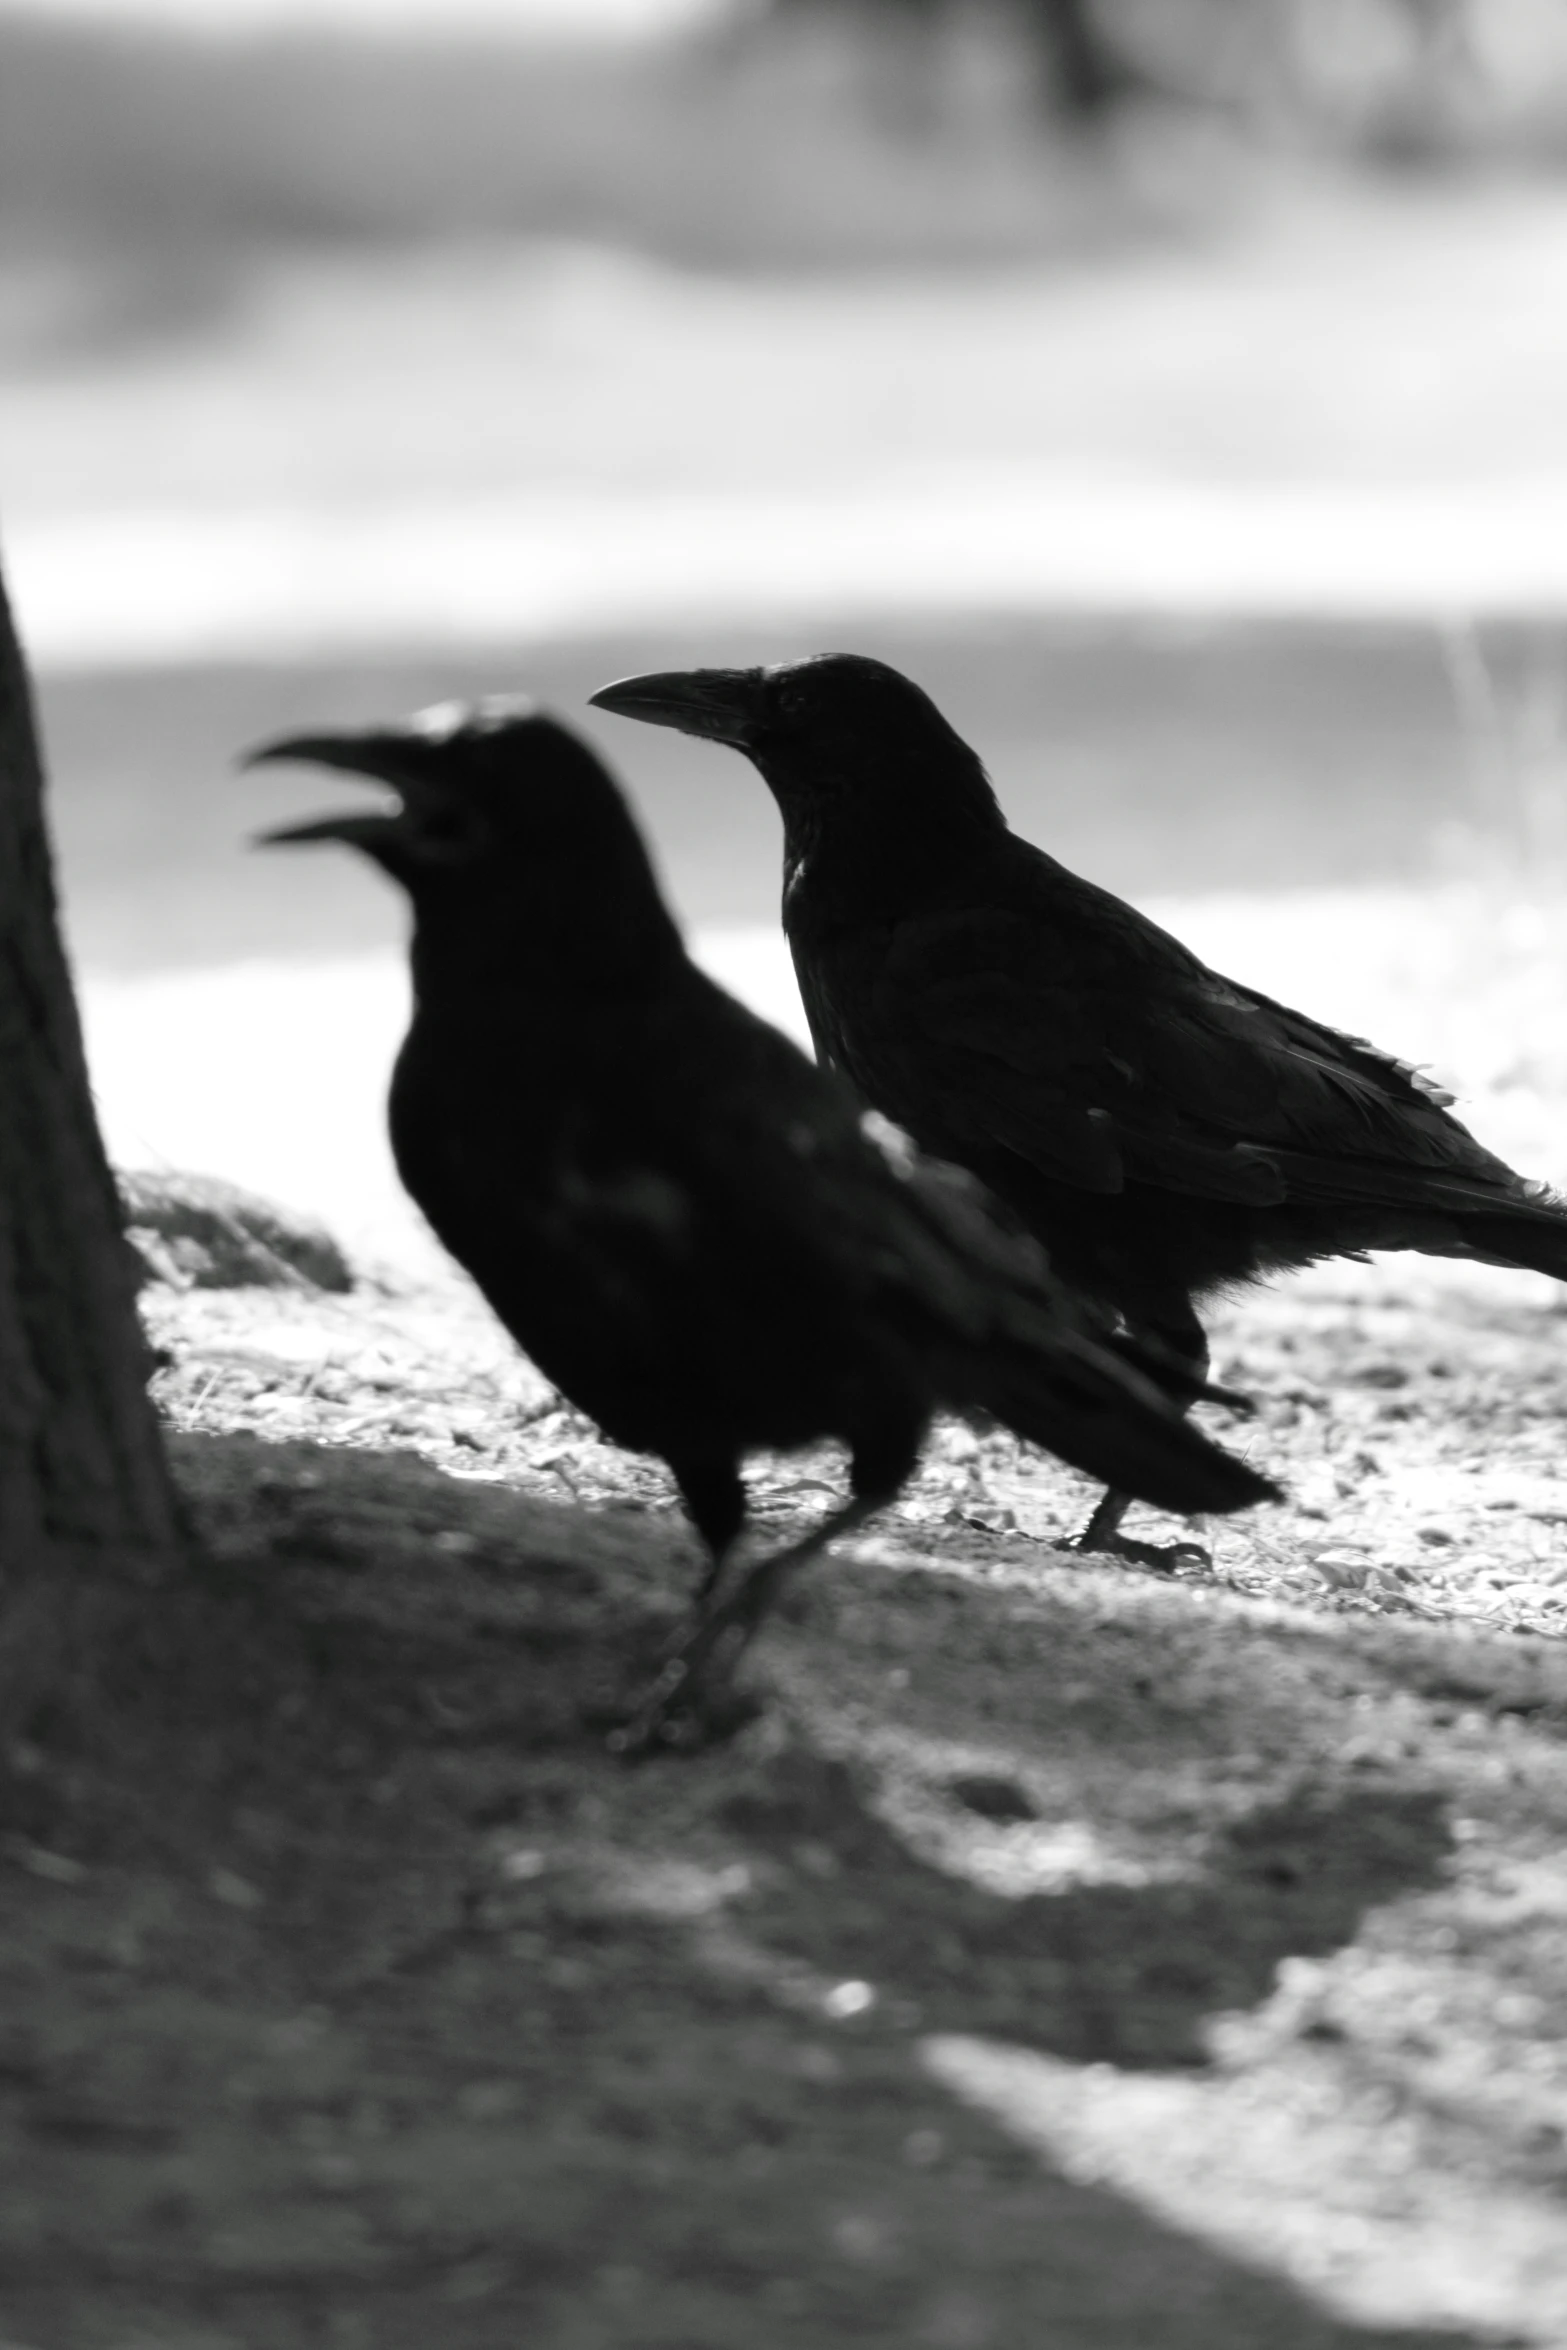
[[85, 1492]]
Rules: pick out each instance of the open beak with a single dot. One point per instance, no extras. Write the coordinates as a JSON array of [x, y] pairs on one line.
[[723, 705], [379, 757]]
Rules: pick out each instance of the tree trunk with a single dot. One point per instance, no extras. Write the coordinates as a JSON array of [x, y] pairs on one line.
[[85, 1490]]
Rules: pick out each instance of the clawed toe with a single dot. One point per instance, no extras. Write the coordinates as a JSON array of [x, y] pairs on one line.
[[1166, 1558], [694, 1701]]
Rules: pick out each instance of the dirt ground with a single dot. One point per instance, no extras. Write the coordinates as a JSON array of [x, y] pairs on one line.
[[1065, 1956]]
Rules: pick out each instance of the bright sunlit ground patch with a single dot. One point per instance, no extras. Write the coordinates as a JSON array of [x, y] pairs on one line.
[[1296, 2167]]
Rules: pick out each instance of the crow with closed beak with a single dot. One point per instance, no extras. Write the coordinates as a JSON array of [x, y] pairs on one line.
[[687, 1225], [1165, 1132]]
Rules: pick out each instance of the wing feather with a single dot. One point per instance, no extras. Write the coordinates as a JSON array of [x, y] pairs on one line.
[[1071, 1031]]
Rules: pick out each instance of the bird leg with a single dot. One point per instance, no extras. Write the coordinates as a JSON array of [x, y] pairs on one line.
[[693, 1698], [1104, 1526], [1176, 1338], [714, 1494], [712, 1575]]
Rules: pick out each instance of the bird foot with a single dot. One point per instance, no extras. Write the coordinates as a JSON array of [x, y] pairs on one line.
[[1165, 1558], [694, 1702]]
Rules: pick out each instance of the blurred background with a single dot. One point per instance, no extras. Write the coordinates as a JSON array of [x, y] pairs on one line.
[[1177, 388]]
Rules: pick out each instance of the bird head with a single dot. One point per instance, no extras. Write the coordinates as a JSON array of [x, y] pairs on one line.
[[493, 817], [830, 735]]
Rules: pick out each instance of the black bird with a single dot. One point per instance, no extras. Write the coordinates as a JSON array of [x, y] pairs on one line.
[[1166, 1133], [678, 1215]]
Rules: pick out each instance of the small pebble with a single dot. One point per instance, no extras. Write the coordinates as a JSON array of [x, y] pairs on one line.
[[525, 1863], [234, 1891], [849, 1999], [54, 1867]]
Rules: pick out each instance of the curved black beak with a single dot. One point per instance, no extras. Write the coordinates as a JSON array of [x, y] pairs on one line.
[[379, 755], [722, 705]]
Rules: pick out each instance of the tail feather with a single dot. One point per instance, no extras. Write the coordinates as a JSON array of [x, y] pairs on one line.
[[1114, 1424], [1536, 1240]]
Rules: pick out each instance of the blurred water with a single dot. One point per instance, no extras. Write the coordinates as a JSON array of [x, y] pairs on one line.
[[1342, 405], [137, 589], [1064, 498]]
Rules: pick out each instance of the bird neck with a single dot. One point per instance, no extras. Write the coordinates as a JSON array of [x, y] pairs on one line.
[[542, 950], [894, 852]]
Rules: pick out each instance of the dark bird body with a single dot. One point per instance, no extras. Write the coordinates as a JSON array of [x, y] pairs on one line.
[[681, 1219], [1167, 1133]]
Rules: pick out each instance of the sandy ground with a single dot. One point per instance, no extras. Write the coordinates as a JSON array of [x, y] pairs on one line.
[[1064, 1954]]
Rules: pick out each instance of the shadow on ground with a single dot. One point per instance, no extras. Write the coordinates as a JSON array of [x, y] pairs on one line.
[[1117, 1974], [352, 1994]]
